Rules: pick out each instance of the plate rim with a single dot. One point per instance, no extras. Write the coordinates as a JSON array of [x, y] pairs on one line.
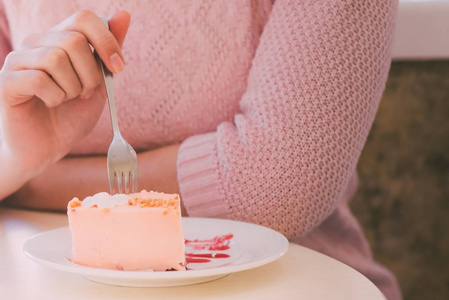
[[169, 276]]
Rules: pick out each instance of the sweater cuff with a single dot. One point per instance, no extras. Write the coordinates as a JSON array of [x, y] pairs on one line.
[[198, 179]]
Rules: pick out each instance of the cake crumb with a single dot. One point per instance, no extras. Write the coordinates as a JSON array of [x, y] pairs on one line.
[[154, 202], [74, 203], [119, 268]]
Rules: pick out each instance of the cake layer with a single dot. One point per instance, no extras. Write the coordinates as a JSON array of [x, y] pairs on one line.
[[141, 232]]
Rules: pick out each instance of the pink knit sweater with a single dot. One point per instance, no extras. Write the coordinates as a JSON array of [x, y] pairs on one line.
[[272, 102]]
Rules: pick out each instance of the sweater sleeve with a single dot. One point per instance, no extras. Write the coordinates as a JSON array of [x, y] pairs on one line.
[[313, 90], [5, 44]]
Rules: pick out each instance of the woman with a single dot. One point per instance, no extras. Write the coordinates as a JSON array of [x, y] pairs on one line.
[[252, 110]]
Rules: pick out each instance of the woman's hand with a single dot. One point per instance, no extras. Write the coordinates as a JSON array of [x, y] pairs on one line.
[[50, 95]]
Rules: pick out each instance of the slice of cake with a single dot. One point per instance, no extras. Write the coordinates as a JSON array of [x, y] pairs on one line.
[[128, 232]]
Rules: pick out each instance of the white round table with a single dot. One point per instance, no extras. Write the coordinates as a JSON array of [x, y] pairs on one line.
[[300, 274]]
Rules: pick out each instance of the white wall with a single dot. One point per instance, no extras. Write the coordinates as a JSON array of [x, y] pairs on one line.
[[422, 30]]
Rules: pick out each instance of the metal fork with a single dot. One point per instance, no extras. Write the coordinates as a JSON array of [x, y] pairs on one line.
[[122, 159]]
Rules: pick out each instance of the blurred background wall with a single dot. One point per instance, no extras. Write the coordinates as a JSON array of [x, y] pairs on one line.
[[403, 198]]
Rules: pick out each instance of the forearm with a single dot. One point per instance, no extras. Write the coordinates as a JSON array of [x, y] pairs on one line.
[[12, 176], [60, 182], [288, 156], [84, 176]]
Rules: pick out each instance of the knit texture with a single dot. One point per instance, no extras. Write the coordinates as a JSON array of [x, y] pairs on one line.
[[272, 102]]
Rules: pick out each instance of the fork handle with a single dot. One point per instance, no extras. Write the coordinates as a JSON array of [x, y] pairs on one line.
[[109, 84]]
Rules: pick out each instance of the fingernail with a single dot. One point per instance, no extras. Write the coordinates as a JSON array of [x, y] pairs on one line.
[[117, 63], [88, 95]]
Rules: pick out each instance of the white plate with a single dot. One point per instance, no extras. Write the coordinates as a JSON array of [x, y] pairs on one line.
[[251, 246]]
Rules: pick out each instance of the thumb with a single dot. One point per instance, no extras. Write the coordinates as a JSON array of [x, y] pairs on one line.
[[119, 24]]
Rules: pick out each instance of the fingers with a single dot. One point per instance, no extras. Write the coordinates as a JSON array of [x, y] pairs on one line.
[[52, 64], [38, 84], [52, 60], [78, 51], [119, 24], [100, 37], [62, 61]]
